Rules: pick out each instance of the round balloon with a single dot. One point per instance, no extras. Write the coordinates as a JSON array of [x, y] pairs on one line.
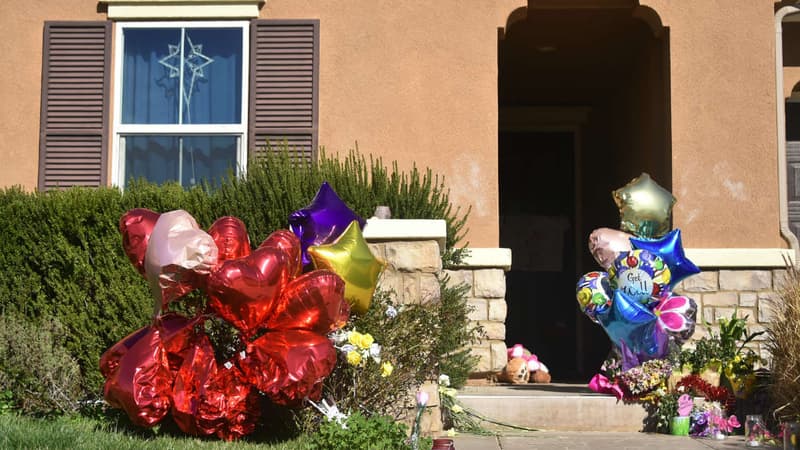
[[593, 293], [606, 244], [641, 275]]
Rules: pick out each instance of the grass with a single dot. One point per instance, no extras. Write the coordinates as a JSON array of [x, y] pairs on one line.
[[85, 433]]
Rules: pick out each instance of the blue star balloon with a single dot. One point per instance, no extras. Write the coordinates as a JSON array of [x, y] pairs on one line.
[[633, 329], [322, 221], [670, 249]]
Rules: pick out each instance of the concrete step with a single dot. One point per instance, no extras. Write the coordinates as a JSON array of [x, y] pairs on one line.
[[556, 406]]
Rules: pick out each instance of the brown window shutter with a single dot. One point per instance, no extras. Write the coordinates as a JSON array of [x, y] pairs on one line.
[[793, 181], [74, 119], [284, 82]]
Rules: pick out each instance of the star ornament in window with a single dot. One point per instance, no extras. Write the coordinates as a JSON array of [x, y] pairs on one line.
[[193, 61]]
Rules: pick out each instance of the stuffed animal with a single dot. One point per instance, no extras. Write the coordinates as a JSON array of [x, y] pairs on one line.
[[515, 372], [537, 371]]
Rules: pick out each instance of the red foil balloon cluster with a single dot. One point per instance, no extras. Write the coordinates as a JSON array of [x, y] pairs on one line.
[[283, 317]]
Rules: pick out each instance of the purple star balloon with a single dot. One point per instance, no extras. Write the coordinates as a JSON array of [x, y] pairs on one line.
[[322, 221]]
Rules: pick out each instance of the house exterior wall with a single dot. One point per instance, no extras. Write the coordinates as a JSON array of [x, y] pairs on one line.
[[417, 82]]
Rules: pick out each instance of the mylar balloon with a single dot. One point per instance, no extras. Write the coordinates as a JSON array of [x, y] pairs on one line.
[[645, 208], [245, 291], [634, 330], [141, 382], [670, 249], [136, 226], [313, 301], [230, 235], [606, 244], [350, 258], [286, 241], [322, 221], [641, 275], [178, 251], [593, 293], [676, 316], [289, 365]]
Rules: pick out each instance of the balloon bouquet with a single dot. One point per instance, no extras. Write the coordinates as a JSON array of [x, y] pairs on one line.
[[283, 298], [632, 299]]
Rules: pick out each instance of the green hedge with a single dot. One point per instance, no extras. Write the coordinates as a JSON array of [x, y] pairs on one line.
[[62, 256]]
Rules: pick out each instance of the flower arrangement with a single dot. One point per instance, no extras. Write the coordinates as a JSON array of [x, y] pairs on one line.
[[725, 354]]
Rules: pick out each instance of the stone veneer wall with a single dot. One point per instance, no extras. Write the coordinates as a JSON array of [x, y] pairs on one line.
[[720, 292], [486, 295]]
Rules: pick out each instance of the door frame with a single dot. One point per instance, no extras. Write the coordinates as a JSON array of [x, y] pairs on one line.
[[556, 119]]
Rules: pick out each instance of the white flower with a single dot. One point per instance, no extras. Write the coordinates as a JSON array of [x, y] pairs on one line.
[[444, 380], [339, 336], [375, 352], [331, 412], [347, 348], [391, 312]]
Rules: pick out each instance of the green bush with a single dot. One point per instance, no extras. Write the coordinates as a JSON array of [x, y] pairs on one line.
[[364, 433], [37, 375], [63, 257]]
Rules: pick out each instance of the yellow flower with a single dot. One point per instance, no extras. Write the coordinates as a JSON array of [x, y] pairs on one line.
[[451, 432], [386, 369], [457, 409], [361, 340], [450, 392], [354, 358]]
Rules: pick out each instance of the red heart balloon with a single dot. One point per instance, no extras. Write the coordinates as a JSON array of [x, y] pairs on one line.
[[193, 377], [230, 235], [313, 301], [136, 226], [289, 366], [229, 406], [244, 291], [289, 243]]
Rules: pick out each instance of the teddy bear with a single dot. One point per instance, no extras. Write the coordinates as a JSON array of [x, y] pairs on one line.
[[515, 372], [537, 370]]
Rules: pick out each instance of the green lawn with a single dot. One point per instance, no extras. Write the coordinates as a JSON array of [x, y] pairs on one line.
[[80, 432]]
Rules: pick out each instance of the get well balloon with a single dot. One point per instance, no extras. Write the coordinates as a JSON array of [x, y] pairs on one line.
[[641, 275], [350, 258], [645, 208]]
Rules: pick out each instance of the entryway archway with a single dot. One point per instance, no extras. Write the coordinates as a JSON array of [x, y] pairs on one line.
[[583, 97]]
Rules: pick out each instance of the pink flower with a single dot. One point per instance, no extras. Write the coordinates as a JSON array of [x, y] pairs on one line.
[[422, 398], [671, 313], [685, 405]]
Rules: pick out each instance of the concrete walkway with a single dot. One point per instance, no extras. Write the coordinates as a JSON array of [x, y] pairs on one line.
[[573, 440]]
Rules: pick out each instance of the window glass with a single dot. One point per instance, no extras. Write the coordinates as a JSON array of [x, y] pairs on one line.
[[190, 159], [182, 76]]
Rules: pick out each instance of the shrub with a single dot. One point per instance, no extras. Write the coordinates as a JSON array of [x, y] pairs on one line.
[[364, 432], [783, 342], [63, 256], [37, 376]]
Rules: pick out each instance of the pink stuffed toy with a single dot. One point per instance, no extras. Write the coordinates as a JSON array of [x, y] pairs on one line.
[[539, 373]]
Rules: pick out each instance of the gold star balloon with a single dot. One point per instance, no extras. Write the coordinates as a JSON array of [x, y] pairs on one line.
[[645, 208], [349, 257]]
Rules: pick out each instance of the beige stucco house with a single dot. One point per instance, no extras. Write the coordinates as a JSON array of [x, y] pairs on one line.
[[534, 110]]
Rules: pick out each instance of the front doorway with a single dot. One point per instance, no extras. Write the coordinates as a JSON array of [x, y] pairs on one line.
[[583, 98]]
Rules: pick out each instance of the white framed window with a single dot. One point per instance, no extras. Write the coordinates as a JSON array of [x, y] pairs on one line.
[[180, 101]]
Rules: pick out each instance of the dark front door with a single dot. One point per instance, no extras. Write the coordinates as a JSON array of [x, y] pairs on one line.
[[537, 214]]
